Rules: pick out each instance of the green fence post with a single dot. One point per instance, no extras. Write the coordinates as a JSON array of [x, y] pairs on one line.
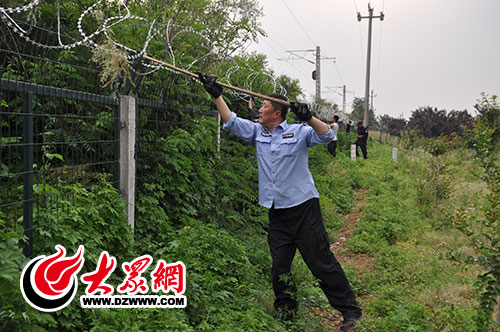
[[28, 173]]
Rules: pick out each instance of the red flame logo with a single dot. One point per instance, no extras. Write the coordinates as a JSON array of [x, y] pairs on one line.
[[52, 275], [50, 283]]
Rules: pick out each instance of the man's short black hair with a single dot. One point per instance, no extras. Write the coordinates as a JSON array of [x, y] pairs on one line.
[[276, 106], [360, 123], [336, 117]]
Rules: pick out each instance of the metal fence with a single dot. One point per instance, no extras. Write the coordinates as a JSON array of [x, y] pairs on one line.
[[156, 119], [58, 125], [51, 135]]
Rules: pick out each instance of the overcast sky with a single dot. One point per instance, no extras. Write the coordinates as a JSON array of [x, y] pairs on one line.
[[439, 53]]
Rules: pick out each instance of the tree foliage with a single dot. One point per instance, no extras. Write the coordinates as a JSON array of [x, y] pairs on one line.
[[395, 126], [483, 231], [432, 122], [292, 87], [358, 111]]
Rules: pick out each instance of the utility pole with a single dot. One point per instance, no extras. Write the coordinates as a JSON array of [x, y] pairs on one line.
[[344, 95], [371, 107], [369, 49], [343, 100], [316, 74]]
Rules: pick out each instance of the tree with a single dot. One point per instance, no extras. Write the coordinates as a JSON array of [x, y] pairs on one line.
[[382, 120], [395, 126], [291, 86], [437, 147], [358, 111], [433, 123]]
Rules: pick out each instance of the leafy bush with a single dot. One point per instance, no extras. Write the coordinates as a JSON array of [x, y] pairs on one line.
[[93, 217], [483, 231], [15, 313]]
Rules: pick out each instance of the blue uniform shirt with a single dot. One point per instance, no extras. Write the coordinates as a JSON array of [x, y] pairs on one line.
[[282, 157]]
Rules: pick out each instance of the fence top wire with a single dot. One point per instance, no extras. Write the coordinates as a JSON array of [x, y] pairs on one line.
[[116, 16]]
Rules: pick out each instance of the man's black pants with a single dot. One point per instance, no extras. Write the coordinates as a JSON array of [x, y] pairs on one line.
[[302, 227], [332, 147], [362, 145]]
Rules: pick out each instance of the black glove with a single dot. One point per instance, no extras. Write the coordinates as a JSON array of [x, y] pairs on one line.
[[301, 110], [254, 112], [210, 84]]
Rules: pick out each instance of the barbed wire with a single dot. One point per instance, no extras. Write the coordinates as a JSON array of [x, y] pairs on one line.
[[131, 55]]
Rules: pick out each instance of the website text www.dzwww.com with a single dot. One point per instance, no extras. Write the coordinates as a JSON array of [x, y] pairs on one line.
[[125, 301]]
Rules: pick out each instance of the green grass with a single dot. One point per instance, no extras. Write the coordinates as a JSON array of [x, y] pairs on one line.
[[412, 288], [224, 245]]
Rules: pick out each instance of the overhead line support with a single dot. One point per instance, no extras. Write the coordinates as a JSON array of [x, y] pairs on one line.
[[370, 17]]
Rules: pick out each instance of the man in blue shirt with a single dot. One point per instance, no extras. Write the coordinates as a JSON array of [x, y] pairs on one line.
[[287, 188]]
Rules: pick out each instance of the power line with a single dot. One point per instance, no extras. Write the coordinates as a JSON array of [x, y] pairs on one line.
[[300, 25], [278, 43], [360, 35], [338, 72], [297, 57], [361, 45], [380, 50], [379, 54], [334, 60], [300, 70], [355, 6], [271, 46]]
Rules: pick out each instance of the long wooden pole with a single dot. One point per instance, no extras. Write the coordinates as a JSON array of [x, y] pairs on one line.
[[248, 92]]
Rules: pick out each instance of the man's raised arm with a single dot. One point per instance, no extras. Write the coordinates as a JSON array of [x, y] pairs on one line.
[[304, 114], [319, 126], [214, 89], [224, 111]]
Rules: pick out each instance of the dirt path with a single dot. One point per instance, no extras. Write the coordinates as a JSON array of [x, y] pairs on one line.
[[361, 263]]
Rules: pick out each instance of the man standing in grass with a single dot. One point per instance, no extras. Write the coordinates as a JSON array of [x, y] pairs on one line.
[[361, 140], [332, 146], [287, 189]]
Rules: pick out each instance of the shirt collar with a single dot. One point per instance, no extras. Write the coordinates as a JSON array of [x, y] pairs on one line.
[[284, 125]]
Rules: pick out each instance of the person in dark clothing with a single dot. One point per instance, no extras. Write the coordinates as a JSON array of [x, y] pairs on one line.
[[286, 188], [348, 126], [361, 140]]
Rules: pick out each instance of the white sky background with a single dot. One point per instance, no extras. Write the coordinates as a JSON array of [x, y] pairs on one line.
[[439, 53]]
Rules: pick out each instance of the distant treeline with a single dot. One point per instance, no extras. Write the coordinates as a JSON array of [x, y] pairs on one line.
[[430, 122]]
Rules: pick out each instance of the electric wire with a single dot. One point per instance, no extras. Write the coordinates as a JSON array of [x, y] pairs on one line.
[[361, 43], [299, 69], [300, 25], [338, 72], [379, 55], [355, 6], [360, 33], [380, 49], [336, 67]]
